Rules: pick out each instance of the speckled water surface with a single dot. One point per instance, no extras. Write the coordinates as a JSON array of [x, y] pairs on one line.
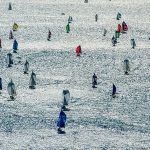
[[96, 121]]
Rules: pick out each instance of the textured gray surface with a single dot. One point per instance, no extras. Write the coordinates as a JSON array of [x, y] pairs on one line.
[[96, 121]]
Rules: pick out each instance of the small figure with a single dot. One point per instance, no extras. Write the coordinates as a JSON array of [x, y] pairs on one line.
[[86, 1], [49, 35]]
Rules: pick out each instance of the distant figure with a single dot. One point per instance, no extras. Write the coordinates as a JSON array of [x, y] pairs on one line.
[[114, 41], [124, 27], [105, 31], [94, 81], [133, 44], [86, 1], [67, 28], [15, 46], [26, 67], [11, 35], [61, 122], [96, 17], [15, 27], [0, 43], [11, 90], [49, 35], [9, 60], [126, 66], [32, 82], [10, 7], [118, 16], [70, 19], [0, 84], [114, 91], [78, 50]]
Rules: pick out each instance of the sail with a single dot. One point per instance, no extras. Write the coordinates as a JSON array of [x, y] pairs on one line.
[[61, 122], [49, 35], [0, 83], [9, 59], [119, 28], [66, 97], [94, 79], [105, 31], [32, 79], [69, 19], [133, 44], [114, 40], [124, 26], [96, 17], [78, 50], [10, 7], [11, 88], [118, 16], [15, 27], [67, 28], [114, 90], [15, 45], [11, 35], [126, 65], [26, 66], [0, 43]]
